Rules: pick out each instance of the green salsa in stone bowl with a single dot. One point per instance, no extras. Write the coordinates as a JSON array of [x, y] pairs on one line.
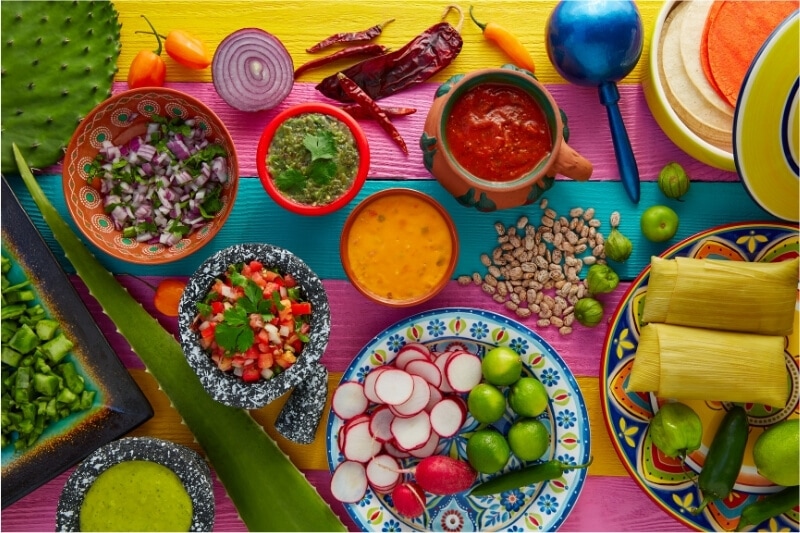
[[313, 158]]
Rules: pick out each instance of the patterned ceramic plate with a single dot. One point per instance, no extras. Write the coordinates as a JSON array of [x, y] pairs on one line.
[[766, 129], [627, 414], [540, 507]]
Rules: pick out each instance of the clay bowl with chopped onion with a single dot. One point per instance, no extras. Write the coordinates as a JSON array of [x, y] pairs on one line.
[[254, 321], [150, 175], [313, 159], [399, 247]]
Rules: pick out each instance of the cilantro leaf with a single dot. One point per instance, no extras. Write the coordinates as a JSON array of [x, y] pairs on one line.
[[321, 145], [233, 334], [322, 171], [291, 180]]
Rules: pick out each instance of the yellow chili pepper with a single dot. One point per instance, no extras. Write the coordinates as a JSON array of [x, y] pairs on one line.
[[507, 41]]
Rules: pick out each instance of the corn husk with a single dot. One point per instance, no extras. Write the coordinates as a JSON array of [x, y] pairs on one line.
[[727, 295], [702, 364]]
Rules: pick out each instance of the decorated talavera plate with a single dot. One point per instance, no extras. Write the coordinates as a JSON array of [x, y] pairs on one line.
[[538, 507], [119, 405], [627, 414], [766, 129]]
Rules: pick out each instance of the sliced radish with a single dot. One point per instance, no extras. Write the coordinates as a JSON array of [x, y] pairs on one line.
[[394, 386], [411, 352], [425, 369], [369, 383], [448, 416], [359, 445], [420, 397], [349, 482], [428, 449], [380, 423], [463, 371], [383, 473], [412, 432], [394, 451], [349, 400], [343, 429], [436, 397], [441, 364]]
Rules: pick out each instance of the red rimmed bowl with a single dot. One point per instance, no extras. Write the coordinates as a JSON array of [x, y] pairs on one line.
[[399, 247], [118, 120], [302, 181]]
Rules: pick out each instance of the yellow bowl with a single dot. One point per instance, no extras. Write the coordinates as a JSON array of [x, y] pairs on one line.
[[118, 120], [665, 115]]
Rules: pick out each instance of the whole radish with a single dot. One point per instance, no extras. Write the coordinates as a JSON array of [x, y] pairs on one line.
[[441, 474], [409, 499]]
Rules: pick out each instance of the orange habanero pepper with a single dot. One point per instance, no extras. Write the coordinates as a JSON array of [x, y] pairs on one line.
[[509, 43], [147, 68], [184, 48]]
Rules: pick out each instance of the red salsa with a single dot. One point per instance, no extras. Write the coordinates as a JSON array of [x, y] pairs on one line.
[[498, 132]]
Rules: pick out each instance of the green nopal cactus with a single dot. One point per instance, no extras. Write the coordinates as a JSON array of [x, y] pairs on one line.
[[58, 62]]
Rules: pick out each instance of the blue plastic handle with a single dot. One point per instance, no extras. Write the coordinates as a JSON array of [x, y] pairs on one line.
[[626, 162]]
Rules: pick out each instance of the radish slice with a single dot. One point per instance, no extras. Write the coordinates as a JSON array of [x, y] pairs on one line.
[[463, 371], [428, 449], [344, 428], [380, 424], [420, 397], [436, 397], [427, 370], [394, 386], [359, 445], [349, 400], [349, 482], [394, 451], [252, 70], [383, 473], [448, 416], [441, 364], [411, 352], [369, 383], [412, 432]]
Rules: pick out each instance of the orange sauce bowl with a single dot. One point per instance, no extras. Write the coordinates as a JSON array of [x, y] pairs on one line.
[[399, 247]]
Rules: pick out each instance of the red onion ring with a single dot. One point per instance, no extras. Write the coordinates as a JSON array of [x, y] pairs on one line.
[[252, 70]]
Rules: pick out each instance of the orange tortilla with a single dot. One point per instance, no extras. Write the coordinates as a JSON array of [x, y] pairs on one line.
[[736, 30]]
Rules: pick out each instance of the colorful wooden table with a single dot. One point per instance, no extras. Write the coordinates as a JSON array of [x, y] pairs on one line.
[[611, 500]]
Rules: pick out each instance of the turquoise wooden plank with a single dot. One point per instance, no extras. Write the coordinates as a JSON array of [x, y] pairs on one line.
[[256, 218]]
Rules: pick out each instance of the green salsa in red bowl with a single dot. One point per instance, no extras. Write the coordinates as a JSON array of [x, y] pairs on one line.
[[313, 159]]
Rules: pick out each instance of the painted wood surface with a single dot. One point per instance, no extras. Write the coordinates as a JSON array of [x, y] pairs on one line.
[[611, 500]]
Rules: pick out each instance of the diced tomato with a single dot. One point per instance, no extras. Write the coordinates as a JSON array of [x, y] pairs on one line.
[[302, 308], [265, 360], [217, 307], [208, 331], [256, 265], [251, 373]]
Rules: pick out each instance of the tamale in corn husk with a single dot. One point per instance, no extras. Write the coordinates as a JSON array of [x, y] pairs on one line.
[[703, 364], [718, 294]]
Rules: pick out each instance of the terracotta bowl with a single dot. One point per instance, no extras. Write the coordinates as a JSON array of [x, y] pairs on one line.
[[118, 120], [399, 247], [187, 464], [337, 201], [485, 190], [224, 386]]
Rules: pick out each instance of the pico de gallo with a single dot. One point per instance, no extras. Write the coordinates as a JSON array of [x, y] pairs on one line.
[[254, 321]]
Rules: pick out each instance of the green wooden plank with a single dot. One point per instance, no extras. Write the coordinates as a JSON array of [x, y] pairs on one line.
[[255, 218]]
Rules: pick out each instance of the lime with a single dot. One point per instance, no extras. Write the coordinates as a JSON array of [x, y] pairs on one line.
[[501, 366], [528, 438], [776, 453], [528, 397], [488, 451], [486, 403]]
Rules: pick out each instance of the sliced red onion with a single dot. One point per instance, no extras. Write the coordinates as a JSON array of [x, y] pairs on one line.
[[252, 70]]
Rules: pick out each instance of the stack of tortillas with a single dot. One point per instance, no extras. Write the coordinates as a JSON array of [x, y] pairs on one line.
[[704, 52]]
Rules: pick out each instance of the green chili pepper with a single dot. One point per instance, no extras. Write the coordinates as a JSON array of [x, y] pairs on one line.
[[769, 506], [724, 458], [527, 476]]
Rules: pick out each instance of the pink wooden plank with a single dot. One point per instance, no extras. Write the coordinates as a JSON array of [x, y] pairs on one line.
[[605, 504], [589, 131], [355, 320]]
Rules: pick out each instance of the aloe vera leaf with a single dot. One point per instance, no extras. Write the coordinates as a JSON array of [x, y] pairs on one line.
[[268, 490]]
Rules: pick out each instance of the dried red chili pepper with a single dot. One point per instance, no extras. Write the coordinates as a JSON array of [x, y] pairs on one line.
[[352, 51], [417, 61], [349, 37], [358, 95], [356, 111]]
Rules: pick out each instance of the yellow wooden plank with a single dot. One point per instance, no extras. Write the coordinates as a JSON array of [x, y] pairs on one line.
[[299, 24], [166, 424]]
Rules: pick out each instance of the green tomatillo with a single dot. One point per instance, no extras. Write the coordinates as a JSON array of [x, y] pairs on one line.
[[601, 279], [676, 429], [617, 246], [673, 181], [588, 312]]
